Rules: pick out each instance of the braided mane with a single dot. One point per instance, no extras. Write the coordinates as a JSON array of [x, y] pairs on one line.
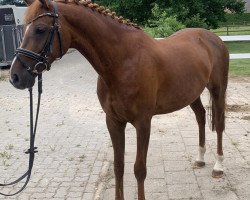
[[102, 10]]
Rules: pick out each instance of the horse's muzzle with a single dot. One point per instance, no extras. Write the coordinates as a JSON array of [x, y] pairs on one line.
[[22, 83]]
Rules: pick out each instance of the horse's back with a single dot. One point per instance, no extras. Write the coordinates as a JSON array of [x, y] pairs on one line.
[[193, 39]]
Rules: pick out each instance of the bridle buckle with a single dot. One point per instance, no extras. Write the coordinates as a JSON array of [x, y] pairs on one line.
[[40, 67]]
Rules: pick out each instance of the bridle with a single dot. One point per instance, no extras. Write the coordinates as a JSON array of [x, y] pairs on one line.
[[41, 58], [41, 65]]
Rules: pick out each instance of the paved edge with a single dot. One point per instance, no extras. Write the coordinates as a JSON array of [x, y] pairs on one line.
[[103, 180]]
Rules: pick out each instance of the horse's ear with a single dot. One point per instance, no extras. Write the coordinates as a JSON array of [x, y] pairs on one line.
[[45, 3], [28, 2]]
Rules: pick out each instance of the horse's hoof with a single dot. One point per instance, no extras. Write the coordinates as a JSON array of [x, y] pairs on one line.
[[217, 174], [199, 164]]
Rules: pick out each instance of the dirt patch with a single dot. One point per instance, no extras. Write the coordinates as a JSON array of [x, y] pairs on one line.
[[238, 108]]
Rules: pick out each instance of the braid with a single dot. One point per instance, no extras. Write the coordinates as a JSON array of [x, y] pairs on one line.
[[102, 10]]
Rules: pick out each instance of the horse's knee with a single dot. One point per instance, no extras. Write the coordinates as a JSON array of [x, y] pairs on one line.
[[140, 170]]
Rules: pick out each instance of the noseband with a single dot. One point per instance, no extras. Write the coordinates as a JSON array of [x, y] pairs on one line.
[[41, 58]]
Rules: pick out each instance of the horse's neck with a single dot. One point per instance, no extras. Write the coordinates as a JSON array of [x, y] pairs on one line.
[[96, 36]]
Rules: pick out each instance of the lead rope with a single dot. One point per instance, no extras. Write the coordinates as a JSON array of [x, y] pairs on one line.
[[32, 150]]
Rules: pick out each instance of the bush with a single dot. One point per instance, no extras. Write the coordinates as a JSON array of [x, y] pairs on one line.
[[196, 22], [166, 27], [162, 25]]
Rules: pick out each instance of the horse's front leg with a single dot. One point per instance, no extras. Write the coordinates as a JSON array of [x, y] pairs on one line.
[[117, 134], [140, 170]]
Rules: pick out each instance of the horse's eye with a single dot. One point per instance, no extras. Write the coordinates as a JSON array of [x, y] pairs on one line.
[[40, 30]]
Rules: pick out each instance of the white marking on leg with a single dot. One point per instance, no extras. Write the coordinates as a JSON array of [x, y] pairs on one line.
[[218, 165], [201, 152]]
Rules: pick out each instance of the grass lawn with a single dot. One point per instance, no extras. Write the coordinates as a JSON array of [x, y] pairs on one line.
[[238, 47], [239, 67]]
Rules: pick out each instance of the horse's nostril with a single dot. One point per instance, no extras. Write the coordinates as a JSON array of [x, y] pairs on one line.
[[15, 78]]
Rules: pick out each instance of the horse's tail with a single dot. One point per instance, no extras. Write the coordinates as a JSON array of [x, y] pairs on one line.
[[219, 120], [217, 87], [211, 115]]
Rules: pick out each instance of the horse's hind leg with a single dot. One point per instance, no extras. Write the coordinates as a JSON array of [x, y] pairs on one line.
[[200, 114], [218, 123], [140, 170], [117, 134]]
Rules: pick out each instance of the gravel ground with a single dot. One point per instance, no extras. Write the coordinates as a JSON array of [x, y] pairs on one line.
[[75, 153]]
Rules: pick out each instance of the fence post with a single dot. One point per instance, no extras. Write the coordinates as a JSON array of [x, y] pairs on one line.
[[227, 30]]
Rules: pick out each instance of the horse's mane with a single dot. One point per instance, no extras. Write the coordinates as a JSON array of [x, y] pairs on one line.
[[102, 10]]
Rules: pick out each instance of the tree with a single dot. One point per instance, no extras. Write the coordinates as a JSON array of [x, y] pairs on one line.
[[137, 10], [198, 13], [162, 25], [210, 12]]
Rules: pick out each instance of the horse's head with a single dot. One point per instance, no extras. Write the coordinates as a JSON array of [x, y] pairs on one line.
[[44, 41]]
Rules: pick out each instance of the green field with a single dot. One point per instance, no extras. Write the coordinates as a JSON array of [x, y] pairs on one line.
[[239, 67]]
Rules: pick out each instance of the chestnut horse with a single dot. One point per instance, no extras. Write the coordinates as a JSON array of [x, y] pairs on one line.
[[139, 77]]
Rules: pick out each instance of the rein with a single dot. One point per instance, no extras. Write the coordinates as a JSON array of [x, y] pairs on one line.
[[32, 150], [41, 65]]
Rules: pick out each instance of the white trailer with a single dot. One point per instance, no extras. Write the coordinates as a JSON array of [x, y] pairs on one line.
[[11, 32]]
